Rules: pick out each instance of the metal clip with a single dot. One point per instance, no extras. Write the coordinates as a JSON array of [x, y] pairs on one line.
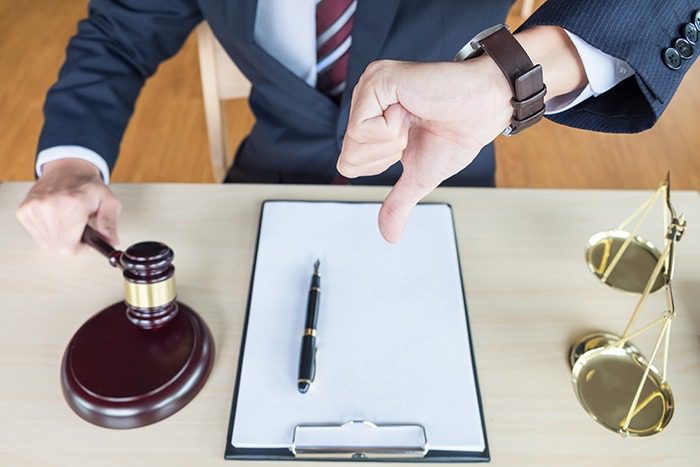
[[349, 441], [676, 229]]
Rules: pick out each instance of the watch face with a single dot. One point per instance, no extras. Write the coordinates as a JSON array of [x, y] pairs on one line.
[[472, 47]]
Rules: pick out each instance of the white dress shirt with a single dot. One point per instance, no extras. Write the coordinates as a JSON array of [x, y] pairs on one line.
[[273, 31]]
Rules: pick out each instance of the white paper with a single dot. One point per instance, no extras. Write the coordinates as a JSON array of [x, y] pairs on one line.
[[392, 333]]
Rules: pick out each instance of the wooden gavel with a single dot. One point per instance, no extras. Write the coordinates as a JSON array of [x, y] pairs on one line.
[[142, 359]]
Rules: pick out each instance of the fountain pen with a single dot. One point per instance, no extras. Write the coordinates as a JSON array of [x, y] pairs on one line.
[[307, 360]]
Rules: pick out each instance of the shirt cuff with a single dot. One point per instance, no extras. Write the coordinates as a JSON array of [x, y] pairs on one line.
[[75, 152], [602, 70]]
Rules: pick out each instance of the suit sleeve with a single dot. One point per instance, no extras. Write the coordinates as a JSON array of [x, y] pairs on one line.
[[115, 50], [637, 32]]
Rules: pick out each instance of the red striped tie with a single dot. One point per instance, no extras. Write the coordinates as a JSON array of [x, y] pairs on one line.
[[334, 20]]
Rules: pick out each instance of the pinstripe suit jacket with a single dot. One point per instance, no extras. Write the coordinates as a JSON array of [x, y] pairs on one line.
[[298, 131]]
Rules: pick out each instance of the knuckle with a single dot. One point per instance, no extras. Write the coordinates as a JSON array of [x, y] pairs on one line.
[[34, 208], [374, 67], [22, 212], [379, 66], [374, 72]]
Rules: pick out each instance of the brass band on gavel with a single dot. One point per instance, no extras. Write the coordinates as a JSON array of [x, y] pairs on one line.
[[149, 295]]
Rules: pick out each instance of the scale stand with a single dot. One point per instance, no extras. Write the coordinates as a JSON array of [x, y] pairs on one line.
[[614, 382]]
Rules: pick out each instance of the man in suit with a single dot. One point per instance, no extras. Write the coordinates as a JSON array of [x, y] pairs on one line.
[[601, 61]]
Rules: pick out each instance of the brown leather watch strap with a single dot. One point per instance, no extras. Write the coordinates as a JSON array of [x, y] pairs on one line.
[[525, 79]]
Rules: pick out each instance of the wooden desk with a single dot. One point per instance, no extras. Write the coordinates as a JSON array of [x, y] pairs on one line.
[[528, 290]]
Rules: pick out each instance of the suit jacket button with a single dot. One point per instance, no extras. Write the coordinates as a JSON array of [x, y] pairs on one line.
[[684, 48], [690, 32], [672, 58], [696, 19]]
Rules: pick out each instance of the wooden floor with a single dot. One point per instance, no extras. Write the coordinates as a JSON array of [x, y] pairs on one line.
[[166, 139]]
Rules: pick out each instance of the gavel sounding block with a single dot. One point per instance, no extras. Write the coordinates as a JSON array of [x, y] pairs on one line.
[[130, 366]]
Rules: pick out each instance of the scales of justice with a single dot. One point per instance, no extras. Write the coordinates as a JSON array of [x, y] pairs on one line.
[[140, 360], [614, 382]]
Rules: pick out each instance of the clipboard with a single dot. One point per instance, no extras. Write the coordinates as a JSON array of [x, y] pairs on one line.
[[378, 439]]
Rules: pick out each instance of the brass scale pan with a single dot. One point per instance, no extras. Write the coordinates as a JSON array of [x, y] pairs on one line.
[[606, 376]]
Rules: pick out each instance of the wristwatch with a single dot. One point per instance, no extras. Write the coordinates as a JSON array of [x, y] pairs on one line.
[[525, 79]]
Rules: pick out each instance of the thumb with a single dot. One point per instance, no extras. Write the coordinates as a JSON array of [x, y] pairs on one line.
[[106, 218], [398, 205]]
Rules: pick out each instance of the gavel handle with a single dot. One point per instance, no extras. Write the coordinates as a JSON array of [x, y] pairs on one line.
[[93, 238]]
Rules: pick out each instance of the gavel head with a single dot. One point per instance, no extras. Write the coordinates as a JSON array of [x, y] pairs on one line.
[[149, 284]]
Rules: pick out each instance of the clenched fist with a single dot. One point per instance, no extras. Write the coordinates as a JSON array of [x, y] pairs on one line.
[[410, 112], [69, 194]]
